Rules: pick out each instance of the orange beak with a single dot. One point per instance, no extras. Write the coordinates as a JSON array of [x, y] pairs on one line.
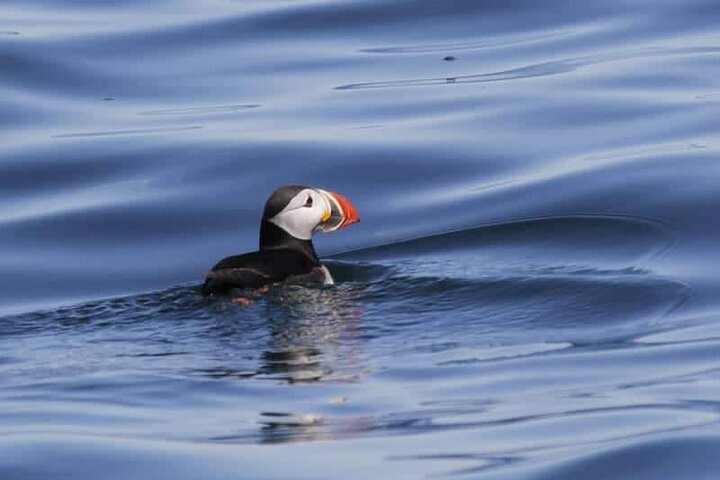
[[342, 212]]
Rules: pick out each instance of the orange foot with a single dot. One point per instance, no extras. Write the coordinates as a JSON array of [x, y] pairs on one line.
[[242, 300]]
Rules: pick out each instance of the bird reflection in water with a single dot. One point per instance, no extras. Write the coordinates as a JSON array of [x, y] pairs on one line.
[[314, 335]]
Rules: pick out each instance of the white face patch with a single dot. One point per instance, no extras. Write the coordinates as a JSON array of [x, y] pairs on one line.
[[302, 214]]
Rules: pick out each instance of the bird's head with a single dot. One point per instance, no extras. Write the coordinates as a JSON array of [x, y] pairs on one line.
[[301, 211]]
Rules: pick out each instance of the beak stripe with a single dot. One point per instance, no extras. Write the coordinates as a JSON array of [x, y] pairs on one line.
[[341, 212]]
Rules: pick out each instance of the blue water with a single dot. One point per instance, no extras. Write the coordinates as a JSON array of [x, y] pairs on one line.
[[532, 292]]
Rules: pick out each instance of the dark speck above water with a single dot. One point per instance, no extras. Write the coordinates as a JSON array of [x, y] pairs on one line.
[[532, 292]]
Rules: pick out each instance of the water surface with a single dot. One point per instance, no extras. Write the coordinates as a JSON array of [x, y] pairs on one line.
[[532, 292]]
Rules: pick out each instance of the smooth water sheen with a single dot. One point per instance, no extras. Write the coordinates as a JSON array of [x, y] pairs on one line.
[[532, 292]]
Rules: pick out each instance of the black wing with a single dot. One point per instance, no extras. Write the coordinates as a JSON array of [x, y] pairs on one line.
[[256, 269]]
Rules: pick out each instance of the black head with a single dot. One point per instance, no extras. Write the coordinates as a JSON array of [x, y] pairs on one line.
[[280, 198], [294, 212]]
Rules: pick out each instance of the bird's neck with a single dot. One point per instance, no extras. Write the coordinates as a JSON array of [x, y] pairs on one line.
[[273, 237]]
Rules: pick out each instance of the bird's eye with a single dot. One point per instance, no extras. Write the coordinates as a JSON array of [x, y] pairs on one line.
[[309, 202]]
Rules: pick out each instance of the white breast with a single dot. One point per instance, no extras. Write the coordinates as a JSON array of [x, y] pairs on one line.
[[328, 278]]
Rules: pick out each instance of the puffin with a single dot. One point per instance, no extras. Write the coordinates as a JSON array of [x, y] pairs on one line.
[[292, 214]]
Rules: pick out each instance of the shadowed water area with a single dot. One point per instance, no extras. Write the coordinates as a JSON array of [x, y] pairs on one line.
[[532, 292]]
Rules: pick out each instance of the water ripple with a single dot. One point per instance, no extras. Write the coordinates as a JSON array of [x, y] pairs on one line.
[[542, 69]]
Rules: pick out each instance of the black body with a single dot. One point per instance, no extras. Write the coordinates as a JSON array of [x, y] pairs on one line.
[[258, 269], [281, 257]]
